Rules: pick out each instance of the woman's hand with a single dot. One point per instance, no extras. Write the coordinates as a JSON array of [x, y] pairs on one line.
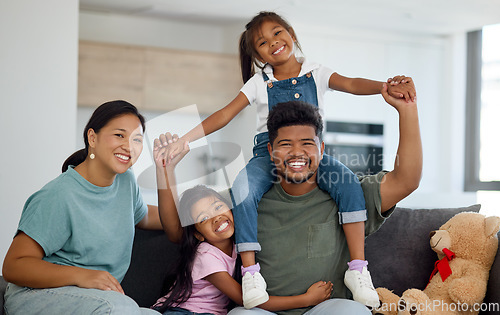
[[97, 279], [319, 292]]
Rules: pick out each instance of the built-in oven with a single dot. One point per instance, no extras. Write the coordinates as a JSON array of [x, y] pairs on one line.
[[357, 145]]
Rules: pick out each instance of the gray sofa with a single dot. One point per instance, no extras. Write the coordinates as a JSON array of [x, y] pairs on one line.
[[399, 257]]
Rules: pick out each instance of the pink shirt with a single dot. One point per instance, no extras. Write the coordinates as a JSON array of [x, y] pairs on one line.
[[206, 298]]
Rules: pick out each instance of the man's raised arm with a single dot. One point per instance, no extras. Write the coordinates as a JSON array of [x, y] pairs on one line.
[[405, 177]]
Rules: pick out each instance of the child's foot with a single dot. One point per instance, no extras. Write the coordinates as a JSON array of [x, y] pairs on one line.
[[361, 286], [254, 290]]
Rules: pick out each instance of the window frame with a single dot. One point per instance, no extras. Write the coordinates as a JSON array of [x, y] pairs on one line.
[[473, 116]]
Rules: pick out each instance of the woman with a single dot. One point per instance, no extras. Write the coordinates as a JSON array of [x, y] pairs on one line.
[[74, 240]]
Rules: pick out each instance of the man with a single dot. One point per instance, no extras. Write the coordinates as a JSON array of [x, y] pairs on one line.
[[298, 227]]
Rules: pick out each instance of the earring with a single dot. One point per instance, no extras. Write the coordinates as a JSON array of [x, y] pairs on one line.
[[92, 156]]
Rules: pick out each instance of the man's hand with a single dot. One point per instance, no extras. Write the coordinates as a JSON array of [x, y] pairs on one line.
[[401, 86], [397, 102]]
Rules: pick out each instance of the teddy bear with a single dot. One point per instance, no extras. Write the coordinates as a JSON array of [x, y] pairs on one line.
[[466, 246]]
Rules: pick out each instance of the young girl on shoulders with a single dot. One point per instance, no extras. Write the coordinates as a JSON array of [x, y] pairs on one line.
[[273, 74], [204, 274]]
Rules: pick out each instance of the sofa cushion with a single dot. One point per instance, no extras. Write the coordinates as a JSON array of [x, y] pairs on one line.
[[152, 263], [399, 252]]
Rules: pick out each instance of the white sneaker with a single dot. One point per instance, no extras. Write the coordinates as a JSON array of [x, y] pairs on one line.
[[361, 286], [254, 290]]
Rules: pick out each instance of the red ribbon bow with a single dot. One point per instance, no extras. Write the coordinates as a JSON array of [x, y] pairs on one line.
[[443, 266]]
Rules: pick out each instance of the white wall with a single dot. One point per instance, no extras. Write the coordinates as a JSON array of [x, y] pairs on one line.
[[38, 89]]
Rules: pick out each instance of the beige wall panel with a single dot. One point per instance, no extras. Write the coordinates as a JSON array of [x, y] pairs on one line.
[[108, 72], [156, 78]]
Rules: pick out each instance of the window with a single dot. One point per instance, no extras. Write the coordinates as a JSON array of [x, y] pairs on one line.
[[482, 169], [483, 110]]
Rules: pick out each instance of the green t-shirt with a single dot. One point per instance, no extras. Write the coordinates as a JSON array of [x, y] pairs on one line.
[[80, 224], [303, 242]]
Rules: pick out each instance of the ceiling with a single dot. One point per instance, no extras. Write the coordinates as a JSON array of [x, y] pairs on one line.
[[418, 16]]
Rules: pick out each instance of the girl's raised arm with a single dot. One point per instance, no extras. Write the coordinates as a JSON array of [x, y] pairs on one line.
[[167, 192], [399, 86]]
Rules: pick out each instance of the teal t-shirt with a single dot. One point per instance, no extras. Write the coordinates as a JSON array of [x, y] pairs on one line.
[[303, 242], [80, 224]]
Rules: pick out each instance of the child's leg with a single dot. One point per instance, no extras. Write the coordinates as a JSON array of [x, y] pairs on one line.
[[355, 237], [248, 188], [344, 187]]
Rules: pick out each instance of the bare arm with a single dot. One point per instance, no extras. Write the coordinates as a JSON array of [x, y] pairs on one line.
[[218, 119], [167, 192], [151, 220], [399, 87], [357, 86], [24, 266], [211, 124], [317, 293], [405, 177]]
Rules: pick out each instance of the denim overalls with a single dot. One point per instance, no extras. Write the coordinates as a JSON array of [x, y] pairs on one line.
[[258, 176]]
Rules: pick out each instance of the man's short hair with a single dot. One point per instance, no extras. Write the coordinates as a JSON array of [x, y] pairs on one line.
[[293, 113]]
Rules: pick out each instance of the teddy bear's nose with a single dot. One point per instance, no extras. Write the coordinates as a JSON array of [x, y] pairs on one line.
[[431, 234]]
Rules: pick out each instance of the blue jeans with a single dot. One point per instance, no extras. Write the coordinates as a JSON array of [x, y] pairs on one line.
[[328, 307], [69, 300], [258, 176]]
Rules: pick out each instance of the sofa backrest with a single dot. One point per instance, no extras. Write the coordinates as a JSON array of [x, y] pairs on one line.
[[153, 258]]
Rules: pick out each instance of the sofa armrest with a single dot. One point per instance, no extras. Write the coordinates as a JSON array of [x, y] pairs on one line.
[[492, 298], [3, 286]]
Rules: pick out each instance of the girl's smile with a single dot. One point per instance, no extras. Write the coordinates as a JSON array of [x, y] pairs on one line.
[[274, 44], [214, 222]]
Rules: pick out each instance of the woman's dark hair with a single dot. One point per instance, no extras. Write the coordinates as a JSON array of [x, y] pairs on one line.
[[293, 113], [180, 290], [248, 53], [100, 118]]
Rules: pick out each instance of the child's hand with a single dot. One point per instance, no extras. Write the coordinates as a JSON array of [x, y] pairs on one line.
[[169, 150], [319, 292], [396, 102], [402, 87]]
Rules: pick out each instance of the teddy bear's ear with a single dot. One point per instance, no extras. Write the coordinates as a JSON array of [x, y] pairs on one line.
[[492, 226]]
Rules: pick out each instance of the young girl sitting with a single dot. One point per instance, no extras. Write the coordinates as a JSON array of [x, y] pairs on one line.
[[270, 43], [204, 275]]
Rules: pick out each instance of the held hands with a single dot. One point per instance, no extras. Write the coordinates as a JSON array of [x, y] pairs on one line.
[[396, 102], [169, 150], [98, 279], [401, 86], [319, 292]]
